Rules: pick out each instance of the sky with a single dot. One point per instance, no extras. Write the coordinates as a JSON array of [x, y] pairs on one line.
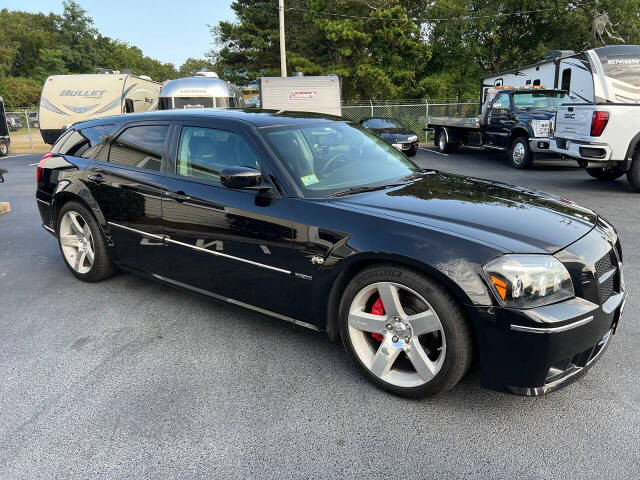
[[169, 31]]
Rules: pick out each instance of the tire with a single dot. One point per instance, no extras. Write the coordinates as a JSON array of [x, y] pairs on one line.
[[412, 152], [520, 154], [35, 124], [392, 359], [610, 173], [633, 175], [443, 145], [84, 237], [4, 148]]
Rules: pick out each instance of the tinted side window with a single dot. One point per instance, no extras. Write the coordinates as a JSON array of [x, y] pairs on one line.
[[96, 136], [205, 152], [140, 147]]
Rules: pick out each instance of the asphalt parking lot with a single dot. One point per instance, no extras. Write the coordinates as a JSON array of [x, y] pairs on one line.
[[130, 379]]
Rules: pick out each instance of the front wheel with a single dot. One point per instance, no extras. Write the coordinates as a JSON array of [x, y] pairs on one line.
[[520, 154], [4, 148], [82, 244], [610, 173], [443, 145], [633, 175], [404, 331], [412, 152]]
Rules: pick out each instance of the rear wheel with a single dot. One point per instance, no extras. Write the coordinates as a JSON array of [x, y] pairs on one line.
[[82, 244], [633, 175], [520, 154], [405, 331], [609, 173], [443, 145], [4, 148]]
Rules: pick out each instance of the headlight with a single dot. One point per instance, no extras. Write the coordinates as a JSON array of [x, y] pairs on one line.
[[541, 128], [526, 281], [412, 138]]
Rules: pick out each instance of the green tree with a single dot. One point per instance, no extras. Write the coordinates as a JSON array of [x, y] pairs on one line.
[[19, 92], [191, 66]]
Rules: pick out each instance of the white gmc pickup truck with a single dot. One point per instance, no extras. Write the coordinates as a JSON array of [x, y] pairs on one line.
[[604, 135]]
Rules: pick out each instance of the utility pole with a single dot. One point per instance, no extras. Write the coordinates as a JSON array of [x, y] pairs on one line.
[[283, 50]]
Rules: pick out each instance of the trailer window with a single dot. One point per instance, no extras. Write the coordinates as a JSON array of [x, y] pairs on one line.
[[536, 82], [566, 79]]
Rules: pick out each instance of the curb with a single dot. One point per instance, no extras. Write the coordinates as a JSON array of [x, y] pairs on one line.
[[4, 208]]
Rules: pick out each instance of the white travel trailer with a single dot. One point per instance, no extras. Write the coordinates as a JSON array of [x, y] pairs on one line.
[[591, 76], [203, 90], [67, 99], [321, 94]]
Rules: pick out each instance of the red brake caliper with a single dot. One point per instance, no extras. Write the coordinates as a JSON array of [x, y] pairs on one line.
[[377, 309]]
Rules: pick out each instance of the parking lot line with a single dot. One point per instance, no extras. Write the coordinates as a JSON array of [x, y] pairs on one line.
[[433, 151]]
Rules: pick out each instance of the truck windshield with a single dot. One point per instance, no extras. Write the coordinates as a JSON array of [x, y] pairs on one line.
[[538, 100], [327, 158]]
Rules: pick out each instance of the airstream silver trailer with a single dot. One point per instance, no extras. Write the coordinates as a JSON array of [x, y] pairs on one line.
[[203, 90]]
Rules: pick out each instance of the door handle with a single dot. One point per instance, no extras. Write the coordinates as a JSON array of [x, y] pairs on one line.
[[97, 178], [178, 196]]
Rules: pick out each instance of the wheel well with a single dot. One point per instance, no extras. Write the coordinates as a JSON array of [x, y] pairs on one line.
[[341, 281], [60, 201], [518, 132]]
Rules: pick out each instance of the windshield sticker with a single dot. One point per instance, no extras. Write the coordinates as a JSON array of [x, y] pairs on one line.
[[309, 179]]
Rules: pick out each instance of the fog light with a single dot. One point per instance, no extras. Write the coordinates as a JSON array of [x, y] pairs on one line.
[[543, 145]]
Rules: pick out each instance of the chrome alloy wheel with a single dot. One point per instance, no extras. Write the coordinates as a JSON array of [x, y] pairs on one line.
[[405, 346], [76, 242], [518, 153]]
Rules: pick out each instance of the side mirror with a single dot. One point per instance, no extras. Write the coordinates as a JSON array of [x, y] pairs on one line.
[[241, 177]]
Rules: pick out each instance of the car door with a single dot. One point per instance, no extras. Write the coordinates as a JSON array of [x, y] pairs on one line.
[[500, 122], [126, 179], [233, 243]]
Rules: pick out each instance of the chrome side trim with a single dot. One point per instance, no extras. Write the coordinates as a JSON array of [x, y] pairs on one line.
[[48, 228], [146, 234], [220, 254], [43, 202], [563, 328], [236, 302]]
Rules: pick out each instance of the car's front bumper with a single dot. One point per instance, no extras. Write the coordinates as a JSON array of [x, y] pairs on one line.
[[405, 146], [536, 351], [539, 145]]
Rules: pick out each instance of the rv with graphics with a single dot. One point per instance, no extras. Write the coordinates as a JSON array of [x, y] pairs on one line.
[[203, 90], [67, 99]]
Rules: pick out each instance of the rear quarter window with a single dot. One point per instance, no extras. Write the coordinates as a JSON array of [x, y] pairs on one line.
[[83, 142]]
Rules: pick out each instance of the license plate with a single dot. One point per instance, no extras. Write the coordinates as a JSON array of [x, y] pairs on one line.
[[397, 145]]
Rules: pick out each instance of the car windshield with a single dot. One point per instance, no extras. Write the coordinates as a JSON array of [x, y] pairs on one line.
[[382, 123], [538, 100], [324, 159]]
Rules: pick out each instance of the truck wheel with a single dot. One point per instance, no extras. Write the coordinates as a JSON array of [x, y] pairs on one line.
[[4, 148], [633, 175], [520, 154], [610, 173], [443, 145]]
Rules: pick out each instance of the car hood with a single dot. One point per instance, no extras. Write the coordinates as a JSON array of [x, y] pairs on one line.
[[393, 133], [512, 218]]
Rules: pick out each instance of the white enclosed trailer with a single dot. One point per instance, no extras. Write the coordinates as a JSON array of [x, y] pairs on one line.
[[67, 99], [321, 94]]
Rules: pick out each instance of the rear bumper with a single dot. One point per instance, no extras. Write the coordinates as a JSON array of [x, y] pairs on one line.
[[534, 352], [590, 152]]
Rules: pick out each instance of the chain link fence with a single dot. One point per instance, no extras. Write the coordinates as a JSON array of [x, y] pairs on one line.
[[409, 112], [24, 131]]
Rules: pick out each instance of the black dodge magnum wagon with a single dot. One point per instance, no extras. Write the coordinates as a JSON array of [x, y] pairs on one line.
[[317, 221]]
